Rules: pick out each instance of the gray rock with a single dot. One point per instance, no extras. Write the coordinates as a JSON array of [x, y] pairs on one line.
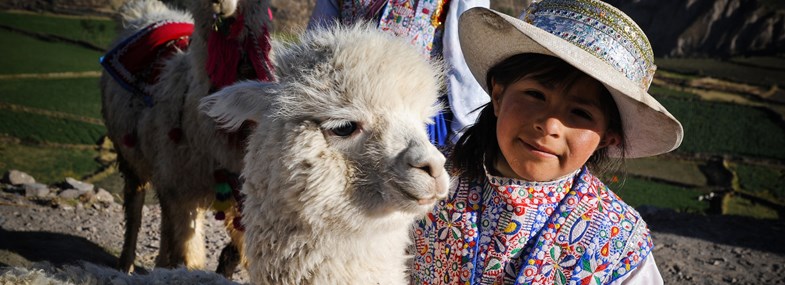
[[66, 207], [83, 187], [36, 190], [69, 194], [8, 188], [104, 196], [17, 177], [88, 196]]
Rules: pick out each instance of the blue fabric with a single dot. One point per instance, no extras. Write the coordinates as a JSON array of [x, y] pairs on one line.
[[438, 130]]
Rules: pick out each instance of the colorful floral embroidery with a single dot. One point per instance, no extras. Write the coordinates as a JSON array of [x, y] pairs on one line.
[[506, 231]]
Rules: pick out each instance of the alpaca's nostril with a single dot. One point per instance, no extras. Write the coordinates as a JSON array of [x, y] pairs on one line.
[[424, 156], [429, 167]]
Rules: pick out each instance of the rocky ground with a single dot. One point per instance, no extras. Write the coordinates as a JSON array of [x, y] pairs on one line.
[[689, 249]]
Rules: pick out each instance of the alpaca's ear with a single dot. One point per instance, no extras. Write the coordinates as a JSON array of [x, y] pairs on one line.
[[238, 103]]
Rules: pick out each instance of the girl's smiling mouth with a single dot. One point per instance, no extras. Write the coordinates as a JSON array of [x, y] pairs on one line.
[[539, 150]]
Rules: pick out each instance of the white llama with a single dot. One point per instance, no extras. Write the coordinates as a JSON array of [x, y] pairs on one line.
[[340, 164], [161, 137]]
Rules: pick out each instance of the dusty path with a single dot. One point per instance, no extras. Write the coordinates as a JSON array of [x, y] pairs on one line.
[[689, 249]]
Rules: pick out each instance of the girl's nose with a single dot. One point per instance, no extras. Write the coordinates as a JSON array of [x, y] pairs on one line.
[[549, 126]]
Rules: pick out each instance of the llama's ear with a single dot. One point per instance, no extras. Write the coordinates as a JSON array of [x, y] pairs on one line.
[[238, 103]]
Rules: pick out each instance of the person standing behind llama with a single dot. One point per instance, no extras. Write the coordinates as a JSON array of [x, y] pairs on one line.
[[568, 85], [432, 27]]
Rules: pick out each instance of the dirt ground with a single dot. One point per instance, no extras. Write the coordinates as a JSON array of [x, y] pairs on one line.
[[689, 249]]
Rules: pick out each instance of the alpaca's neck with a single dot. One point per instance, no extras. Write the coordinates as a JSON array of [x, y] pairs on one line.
[[372, 254]]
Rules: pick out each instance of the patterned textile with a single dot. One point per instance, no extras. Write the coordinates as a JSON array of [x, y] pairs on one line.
[[599, 29], [421, 22], [505, 231], [136, 62]]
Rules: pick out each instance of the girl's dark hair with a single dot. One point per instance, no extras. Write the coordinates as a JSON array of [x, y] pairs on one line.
[[479, 145]]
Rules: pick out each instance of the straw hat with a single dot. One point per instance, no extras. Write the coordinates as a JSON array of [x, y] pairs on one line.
[[592, 36]]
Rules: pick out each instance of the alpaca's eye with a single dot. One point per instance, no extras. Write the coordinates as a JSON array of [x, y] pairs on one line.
[[344, 130]]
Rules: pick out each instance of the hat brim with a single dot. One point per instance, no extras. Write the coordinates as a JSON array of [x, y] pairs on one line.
[[488, 37]]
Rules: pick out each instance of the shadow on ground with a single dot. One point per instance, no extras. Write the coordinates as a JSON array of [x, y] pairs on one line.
[[759, 234], [22, 248]]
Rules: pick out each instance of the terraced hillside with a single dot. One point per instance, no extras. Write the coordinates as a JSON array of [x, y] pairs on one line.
[[50, 120]]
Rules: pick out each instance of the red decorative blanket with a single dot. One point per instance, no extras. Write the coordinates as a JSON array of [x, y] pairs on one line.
[[136, 62]]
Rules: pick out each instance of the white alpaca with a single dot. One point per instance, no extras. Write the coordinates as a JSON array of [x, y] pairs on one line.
[[164, 139], [340, 164]]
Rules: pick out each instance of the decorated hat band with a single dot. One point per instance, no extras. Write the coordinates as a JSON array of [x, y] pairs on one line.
[[599, 29]]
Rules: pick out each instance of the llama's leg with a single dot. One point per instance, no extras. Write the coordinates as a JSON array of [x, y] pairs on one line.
[[228, 261], [133, 200], [182, 238], [232, 254]]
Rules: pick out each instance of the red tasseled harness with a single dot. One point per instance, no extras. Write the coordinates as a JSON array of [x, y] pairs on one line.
[[137, 62], [225, 54]]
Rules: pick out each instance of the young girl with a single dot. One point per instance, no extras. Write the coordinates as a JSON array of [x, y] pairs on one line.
[[568, 87]]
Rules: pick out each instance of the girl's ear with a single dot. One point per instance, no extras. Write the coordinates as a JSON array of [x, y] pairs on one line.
[[610, 139], [496, 96]]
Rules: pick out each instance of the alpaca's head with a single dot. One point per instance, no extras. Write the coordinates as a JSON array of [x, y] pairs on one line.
[[225, 8], [219, 8], [343, 131], [211, 14]]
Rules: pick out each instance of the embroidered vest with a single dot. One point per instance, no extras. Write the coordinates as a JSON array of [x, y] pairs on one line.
[[505, 231]]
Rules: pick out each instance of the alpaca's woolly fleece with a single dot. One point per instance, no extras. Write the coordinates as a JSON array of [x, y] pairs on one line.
[[340, 163]]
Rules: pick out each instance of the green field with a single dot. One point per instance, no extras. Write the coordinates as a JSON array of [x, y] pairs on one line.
[[58, 111], [762, 181], [78, 96], [662, 91], [637, 192], [735, 205], [774, 63], [721, 128], [675, 170], [48, 165], [99, 32], [34, 128], [754, 71], [22, 54]]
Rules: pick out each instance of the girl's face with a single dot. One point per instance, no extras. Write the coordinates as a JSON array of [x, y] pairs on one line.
[[546, 132]]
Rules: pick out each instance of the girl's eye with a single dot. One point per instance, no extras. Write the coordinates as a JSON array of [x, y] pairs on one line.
[[344, 130], [535, 94], [583, 114]]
